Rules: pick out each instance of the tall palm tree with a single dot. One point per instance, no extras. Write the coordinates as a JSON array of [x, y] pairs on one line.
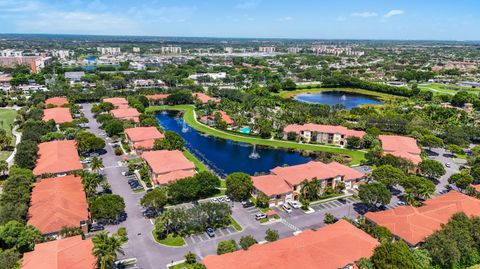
[[96, 165], [106, 249], [90, 183]]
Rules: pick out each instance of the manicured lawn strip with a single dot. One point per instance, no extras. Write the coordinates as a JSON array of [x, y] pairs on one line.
[[4, 155], [357, 156], [198, 164], [235, 224], [290, 94], [183, 265], [171, 241], [445, 89]]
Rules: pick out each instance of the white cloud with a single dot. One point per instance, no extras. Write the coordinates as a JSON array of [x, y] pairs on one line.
[[394, 12], [366, 14], [286, 18], [247, 4], [11, 6]]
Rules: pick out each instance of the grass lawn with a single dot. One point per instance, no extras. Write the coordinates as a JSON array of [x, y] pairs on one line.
[[171, 241], [235, 224], [290, 94], [7, 117], [198, 164], [189, 117], [445, 89], [183, 265]]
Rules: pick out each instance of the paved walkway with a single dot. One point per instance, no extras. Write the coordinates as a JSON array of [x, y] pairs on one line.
[[18, 138]]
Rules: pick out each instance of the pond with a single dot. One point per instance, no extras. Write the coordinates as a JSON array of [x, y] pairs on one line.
[[227, 156], [347, 99]]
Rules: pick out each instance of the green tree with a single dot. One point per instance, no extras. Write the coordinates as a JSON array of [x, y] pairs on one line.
[[3, 167], [388, 175], [418, 187], [247, 241], [396, 255], [107, 206], [190, 258], [239, 185], [354, 142], [262, 200], [329, 219], [431, 141], [113, 127], [19, 236], [9, 258], [431, 168], [106, 249], [97, 164], [157, 198], [462, 180], [172, 141], [209, 183], [455, 149], [271, 235], [374, 194], [87, 142], [226, 246], [26, 156]]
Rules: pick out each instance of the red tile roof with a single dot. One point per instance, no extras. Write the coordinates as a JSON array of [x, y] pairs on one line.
[[415, 224], [157, 96], [224, 116], [401, 146], [57, 157], [57, 114], [296, 174], [57, 202], [271, 185], [126, 114], [205, 98], [330, 129], [173, 176], [166, 161], [331, 247], [71, 253], [143, 137], [56, 101], [116, 101]]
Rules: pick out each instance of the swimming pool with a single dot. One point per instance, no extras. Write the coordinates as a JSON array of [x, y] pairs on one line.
[[245, 130]]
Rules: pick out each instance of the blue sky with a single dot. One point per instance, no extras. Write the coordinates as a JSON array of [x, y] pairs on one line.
[[343, 19]]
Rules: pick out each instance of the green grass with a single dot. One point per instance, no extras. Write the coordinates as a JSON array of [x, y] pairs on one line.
[[7, 117], [198, 164], [189, 117], [437, 88], [235, 224], [171, 241], [184, 265], [290, 94]]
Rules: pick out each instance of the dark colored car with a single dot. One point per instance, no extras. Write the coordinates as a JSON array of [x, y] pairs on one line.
[[149, 213], [247, 204], [96, 228], [122, 217], [210, 232]]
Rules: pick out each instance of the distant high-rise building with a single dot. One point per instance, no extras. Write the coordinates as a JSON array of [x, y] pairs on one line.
[[11, 53], [269, 49], [228, 50], [294, 50], [136, 49], [171, 50], [109, 51], [62, 54], [36, 63]]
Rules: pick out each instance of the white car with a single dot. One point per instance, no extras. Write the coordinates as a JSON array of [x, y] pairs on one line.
[[295, 204], [287, 208]]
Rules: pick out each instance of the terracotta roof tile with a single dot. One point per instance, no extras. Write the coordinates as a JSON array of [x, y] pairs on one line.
[[331, 129], [166, 161], [330, 247], [57, 114], [57, 202], [401, 146], [205, 98], [126, 114], [71, 253], [173, 176], [157, 96], [56, 101], [415, 224], [116, 101], [57, 157], [271, 185]]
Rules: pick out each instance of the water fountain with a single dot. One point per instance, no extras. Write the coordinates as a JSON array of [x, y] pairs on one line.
[[343, 98], [254, 155], [164, 111], [184, 127]]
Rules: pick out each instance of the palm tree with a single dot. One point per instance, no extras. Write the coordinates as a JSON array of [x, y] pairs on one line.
[[3, 167], [96, 165], [90, 183], [409, 198], [106, 249]]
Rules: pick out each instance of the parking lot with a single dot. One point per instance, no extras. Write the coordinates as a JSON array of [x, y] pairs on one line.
[[134, 183], [202, 237], [253, 211], [333, 204]]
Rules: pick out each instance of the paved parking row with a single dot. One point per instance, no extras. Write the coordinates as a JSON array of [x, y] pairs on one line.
[[253, 211], [334, 204], [202, 237]]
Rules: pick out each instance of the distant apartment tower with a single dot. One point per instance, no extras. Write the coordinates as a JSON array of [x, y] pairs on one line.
[[109, 50], [323, 49], [171, 50], [36, 63], [62, 54], [294, 50], [11, 53], [228, 50], [269, 49], [136, 49]]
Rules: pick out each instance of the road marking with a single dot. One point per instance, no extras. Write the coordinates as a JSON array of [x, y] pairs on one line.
[[113, 166], [289, 225]]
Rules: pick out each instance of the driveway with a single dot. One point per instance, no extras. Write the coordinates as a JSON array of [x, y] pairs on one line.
[[444, 157]]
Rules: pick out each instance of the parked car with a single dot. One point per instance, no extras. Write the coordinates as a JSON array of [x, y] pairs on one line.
[[295, 204], [127, 173], [260, 216], [149, 213], [122, 216], [342, 200], [210, 232], [401, 203], [287, 208], [94, 154], [247, 204], [137, 188], [215, 200], [448, 164], [96, 228]]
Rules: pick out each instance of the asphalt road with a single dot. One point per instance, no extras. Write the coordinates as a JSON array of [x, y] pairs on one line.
[[444, 157]]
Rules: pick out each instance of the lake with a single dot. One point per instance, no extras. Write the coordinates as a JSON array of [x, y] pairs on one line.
[[347, 99], [227, 156]]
